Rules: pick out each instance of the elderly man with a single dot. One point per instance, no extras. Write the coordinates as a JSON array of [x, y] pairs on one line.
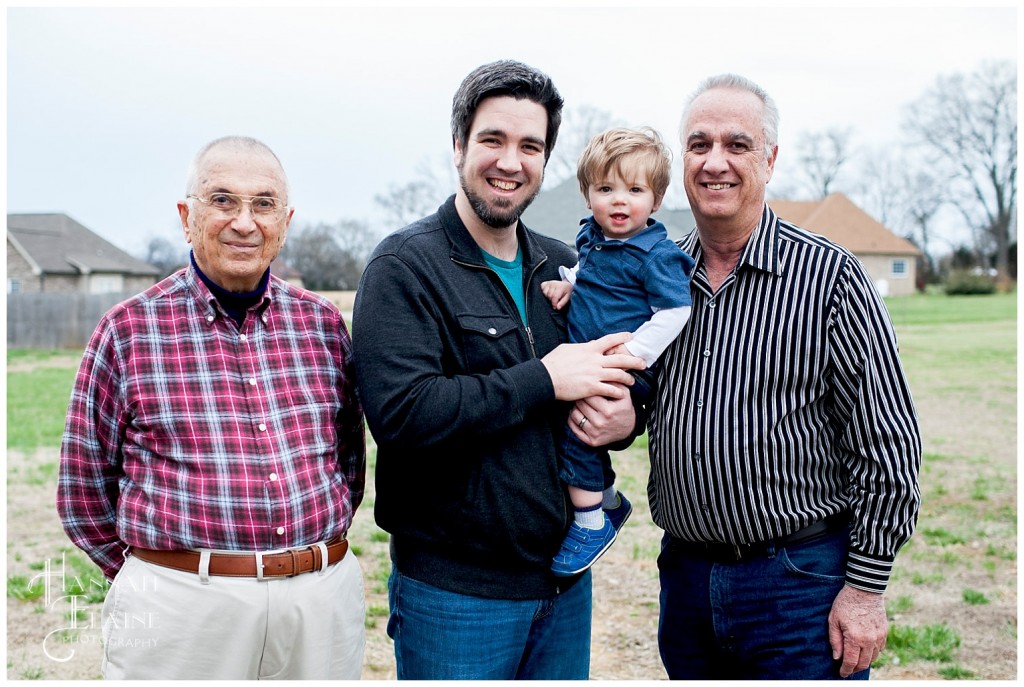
[[466, 382], [784, 445], [214, 452]]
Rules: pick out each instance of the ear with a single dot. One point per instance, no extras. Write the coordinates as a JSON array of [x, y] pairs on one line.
[[771, 163], [287, 224], [183, 212], [657, 204], [458, 151]]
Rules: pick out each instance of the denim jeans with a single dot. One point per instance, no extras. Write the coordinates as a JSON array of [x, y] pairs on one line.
[[442, 635], [766, 618]]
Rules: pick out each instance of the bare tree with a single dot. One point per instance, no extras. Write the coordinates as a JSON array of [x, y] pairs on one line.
[[822, 156], [330, 257], [579, 125], [406, 203], [968, 126], [165, 255]]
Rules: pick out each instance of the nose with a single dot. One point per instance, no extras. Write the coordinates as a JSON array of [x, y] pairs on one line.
[[244, 221], [715, 161], [508, 159]]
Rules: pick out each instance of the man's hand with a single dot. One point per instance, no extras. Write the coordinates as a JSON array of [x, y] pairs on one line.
[[604, 420], [581, 370], [857, 628], [557, 291]]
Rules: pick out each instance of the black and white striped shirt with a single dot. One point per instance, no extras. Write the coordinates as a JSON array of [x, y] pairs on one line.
[[783, 402]]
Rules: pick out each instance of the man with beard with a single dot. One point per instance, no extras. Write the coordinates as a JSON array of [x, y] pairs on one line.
[[466, 383]]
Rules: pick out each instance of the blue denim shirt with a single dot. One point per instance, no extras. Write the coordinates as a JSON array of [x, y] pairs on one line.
[[619, 282]]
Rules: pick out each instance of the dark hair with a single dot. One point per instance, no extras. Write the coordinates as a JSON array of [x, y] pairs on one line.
[[511, 78]]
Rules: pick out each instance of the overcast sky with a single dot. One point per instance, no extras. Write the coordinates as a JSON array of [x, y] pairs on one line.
[[106, 107]]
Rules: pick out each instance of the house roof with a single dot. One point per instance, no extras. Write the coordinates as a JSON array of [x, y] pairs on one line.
[[56, 244], [837, 218], [557, 212]]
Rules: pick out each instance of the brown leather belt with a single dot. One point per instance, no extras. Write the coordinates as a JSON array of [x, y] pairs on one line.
[[281, 564]]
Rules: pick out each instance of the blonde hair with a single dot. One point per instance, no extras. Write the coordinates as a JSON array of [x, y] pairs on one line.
[[630, 153]]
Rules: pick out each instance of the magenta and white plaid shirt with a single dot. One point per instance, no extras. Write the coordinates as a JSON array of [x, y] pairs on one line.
[[184, 431]]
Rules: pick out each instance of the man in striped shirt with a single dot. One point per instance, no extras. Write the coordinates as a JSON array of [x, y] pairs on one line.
[[784, 444], [214, 453]]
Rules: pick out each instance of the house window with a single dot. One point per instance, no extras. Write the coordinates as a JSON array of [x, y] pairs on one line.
[[106, 283], [13, 285], [898, 268]]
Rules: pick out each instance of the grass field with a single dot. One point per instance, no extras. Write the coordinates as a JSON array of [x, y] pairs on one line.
[[951, 602]]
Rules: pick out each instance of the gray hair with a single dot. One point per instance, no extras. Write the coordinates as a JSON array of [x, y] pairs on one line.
[[770, 118], [245, 143]]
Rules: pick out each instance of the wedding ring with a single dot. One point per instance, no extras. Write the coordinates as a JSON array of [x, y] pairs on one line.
[[583, 421]]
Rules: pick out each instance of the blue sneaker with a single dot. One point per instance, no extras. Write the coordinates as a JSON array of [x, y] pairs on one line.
[[581, 548], [620, 514]]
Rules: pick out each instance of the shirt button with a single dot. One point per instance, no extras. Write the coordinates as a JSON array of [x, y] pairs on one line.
[[273, 477], [262, 427], [712, 304], [280, 530], [264, 318], [706, 353], [252, 382], [492, 331], [209, 318], [243, 337], [700, 404]]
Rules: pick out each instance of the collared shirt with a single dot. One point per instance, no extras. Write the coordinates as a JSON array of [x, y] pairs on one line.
[[783, 402], [185, 431], [619, 284]]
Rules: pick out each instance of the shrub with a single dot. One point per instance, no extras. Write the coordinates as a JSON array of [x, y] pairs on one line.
[[969, 284]]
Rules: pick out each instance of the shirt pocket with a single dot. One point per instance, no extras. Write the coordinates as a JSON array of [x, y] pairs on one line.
[[489, 341]]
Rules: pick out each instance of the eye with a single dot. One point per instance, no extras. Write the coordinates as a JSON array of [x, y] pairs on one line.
[[698, 146], [264, 204], [222, 201]]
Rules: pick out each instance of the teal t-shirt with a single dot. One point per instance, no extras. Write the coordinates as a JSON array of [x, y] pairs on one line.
[[511, 274]]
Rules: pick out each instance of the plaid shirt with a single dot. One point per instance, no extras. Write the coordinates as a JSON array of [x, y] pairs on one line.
[[185, 431]]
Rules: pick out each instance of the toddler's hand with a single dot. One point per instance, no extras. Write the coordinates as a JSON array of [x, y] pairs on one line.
[[557, 291]]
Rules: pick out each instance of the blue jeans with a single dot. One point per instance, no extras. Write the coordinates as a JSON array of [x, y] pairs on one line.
[[442, 635], [766, 618]]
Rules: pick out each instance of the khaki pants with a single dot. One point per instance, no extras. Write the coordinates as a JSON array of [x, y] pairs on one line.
[[160, 623]]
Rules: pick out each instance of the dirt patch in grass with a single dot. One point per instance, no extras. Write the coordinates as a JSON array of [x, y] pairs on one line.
[[966, 546]]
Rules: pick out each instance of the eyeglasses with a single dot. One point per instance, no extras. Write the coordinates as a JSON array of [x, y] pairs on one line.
[[230, 204]]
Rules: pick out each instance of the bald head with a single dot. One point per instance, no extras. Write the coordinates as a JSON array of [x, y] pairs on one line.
[[238, 144]]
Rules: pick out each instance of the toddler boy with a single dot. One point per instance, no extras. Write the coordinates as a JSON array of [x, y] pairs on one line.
[[630, 277]]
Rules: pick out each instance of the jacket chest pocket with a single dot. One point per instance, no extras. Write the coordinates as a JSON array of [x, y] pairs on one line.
[[490, 341]]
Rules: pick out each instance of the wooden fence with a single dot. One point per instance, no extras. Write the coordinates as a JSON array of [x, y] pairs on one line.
[[67, 320], [56, 320]]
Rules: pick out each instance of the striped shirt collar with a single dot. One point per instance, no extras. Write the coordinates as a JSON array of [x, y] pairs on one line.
[[761, 251]]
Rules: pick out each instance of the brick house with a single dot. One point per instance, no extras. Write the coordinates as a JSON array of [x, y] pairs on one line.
[[890, 261], [52, 253]]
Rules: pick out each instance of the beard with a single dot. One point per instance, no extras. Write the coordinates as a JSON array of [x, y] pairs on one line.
[[498, 214]]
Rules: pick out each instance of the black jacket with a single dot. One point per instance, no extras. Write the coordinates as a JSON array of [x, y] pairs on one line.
[[462, 409]]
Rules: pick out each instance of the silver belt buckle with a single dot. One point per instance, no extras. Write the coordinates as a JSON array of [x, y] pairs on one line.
[[259, 566]]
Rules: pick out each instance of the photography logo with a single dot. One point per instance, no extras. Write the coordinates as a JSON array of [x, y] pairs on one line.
[[72, 598]]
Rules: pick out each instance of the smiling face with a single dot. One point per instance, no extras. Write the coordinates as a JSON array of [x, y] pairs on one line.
[[502, 165], [234, 252], [725, 165], [621, 207]]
